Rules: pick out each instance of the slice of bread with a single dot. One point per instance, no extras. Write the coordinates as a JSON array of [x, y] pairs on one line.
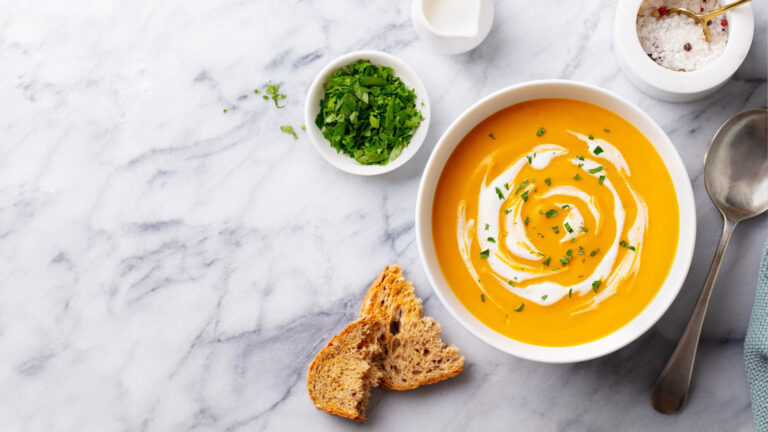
[[414, 354], [340, 377]]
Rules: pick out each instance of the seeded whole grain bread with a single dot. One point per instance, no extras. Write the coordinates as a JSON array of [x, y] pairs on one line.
[[414, 355], [340, 378]]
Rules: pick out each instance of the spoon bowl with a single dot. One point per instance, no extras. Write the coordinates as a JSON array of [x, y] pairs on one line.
[[736, 166], [736, 178], [702, 18]]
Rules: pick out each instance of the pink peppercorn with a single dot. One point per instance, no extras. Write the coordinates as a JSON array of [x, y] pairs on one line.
[[662, 11], [724, 22]]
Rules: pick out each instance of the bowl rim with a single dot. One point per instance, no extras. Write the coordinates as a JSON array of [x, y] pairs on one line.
[[316, 91], [686, 236], [670, 82]]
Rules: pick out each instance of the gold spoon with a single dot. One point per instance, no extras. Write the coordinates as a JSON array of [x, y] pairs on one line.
[[703, 17]]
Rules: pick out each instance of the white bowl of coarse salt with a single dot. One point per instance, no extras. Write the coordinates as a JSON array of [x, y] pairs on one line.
[[667, 56]]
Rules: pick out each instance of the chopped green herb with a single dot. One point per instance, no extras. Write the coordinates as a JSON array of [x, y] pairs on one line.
[[556, 229], [510, 283], [491, 239], [507, 211], [487, 226], [368, 113], [594, 252], [565, 260], [541, 212], [550, 213], [570, 292], [499, 193], [601, 179], [580, 157], [568, 227], [506, 186], [569, 253], [540, 132], [548, 181], [485, 254], [596, 285], [520, 308], [265, 97], [555, 268], [591, 137], [257, 91], [491, 135], [524, 196], [530, 159], [577, 177], [564, 206], [544, 297], [607, 130], [527, 219], [632, 248], [482, 298], [303, 127], [522, 185], [581, 250], [623, 243], [289, 129], [225, 110], [546, 261], [595, 170], [274, 91], [583, 229], [597, 150]]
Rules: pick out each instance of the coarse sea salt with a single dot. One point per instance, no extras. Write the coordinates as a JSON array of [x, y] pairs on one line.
[[676, 41]]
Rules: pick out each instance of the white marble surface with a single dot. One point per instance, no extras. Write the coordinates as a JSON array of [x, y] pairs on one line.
[[166, 266]]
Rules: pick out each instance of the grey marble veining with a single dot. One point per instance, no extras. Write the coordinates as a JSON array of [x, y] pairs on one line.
[[168, 266]]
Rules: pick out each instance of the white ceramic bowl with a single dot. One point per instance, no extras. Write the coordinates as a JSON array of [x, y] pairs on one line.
[[317, 91], [452, 42], [677, 86], [595, 95]]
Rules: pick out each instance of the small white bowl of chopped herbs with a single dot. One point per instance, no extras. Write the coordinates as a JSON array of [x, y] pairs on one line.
[[367, 112]]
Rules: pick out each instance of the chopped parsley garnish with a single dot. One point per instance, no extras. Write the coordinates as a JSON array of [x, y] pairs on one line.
[[485, 254], [527, 219], [570, 292], [548, 181], [289, 130], [274, 91], [565, 260], [632, 248], [524, 196], [569, 253], [499, 193], [540, 132], [580, 157], [368, 113], [597, 150], [491, 239], [577, 177], [225, 110], [607, 130], [596, 285], [522, 185], [623, 243], [520, 308], [581, 250], [568, 227], [491, 135], [564, 206], [583, 229], [591, 137], [487, 226], [550, 213], [544, 297], [530, 159], [595, 170], [546, 261], [556, 229], [510, 283], [594, 252], [601, 179], [555, 268], [506, 186], [507, 211], [482, 298], [303, 127], [257, 91]]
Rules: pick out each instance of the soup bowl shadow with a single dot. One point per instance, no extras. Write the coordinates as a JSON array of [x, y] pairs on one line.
[[612, 102]]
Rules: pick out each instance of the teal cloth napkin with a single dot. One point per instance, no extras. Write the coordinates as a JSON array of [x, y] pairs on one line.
[[756, 348]]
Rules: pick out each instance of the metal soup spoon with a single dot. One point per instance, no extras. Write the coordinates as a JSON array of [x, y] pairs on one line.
[[736, 178], [702, 18]]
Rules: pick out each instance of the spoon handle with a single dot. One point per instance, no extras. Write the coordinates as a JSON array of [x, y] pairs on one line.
[[671, 387], [716, 12]]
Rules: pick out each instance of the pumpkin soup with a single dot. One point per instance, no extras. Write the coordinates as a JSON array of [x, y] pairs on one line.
[[555, 222]]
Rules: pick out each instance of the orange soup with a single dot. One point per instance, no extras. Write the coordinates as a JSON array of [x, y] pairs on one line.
[[555, 222]]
